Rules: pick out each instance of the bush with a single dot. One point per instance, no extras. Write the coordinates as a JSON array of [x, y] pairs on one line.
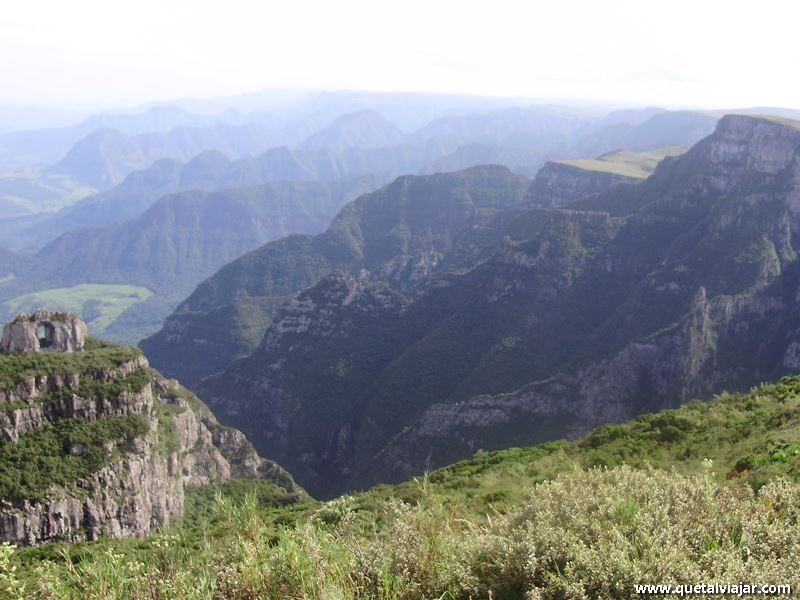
[[61, 452], [587, 534]]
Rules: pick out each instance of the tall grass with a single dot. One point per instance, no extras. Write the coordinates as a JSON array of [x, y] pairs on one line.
[[587, 534]]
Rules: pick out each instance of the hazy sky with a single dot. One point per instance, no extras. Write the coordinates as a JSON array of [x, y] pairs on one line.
[[107, 53]]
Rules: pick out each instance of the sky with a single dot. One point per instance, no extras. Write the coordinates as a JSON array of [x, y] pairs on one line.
[[109, 53]]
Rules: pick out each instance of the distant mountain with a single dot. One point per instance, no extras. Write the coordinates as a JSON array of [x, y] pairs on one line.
[[544, 323], [44, 147], [41, 147], [359, 143], [292, 116], [249, 289], [125, 201], [9, 262], [524, 139], [667, 128], [521, 139], [210, 170], [181, 239], [193, 232], [398, 230], [35, 191], [519, 160], [106, 156], [364, 142], [364, 129]]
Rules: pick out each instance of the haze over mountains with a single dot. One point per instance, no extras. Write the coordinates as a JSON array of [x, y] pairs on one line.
[[367, 303], [182, 193], [99, 155], [477, 320], [529, 332], [82, 218]]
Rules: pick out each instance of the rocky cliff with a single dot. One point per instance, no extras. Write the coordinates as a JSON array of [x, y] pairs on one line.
[[675, 338], [98, 444], [560, 184], [398, 233], [556, 321]]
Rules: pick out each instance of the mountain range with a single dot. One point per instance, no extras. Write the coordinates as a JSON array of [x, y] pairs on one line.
[[501, 379], [246, 291], [177, 242], [439, 323], [96, 154]]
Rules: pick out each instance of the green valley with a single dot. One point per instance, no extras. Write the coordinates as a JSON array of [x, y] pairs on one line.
[[98, 304]]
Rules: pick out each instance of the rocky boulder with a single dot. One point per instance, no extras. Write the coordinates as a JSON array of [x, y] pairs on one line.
[[44, 331]]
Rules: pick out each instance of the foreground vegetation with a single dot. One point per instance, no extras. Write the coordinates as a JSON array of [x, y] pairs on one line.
[[587, 534], [705, 493]]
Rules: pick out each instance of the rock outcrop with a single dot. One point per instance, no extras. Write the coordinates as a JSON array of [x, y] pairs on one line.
[[44, 331], [399, 232], [310, 327], [140, 483], [560, 184]]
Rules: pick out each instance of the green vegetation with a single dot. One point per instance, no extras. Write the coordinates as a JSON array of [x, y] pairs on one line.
[[97, 304], [168, 247], [584, 535], [62, 452], [750, 437], [96, 389], [98, 356], [34, 190], [707, 492], [233, 308], [588, 300], [168, 440], [627, 163]]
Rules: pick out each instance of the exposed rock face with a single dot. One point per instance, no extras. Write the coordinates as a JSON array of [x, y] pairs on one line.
[[662, 372], [566, 320], [721, 341], [558, 184], [311, 328], [141, 487], [44, 331], [398, 232], [34, 413]]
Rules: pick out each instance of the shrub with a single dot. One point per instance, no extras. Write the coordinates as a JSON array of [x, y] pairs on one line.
[[587, 534]]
